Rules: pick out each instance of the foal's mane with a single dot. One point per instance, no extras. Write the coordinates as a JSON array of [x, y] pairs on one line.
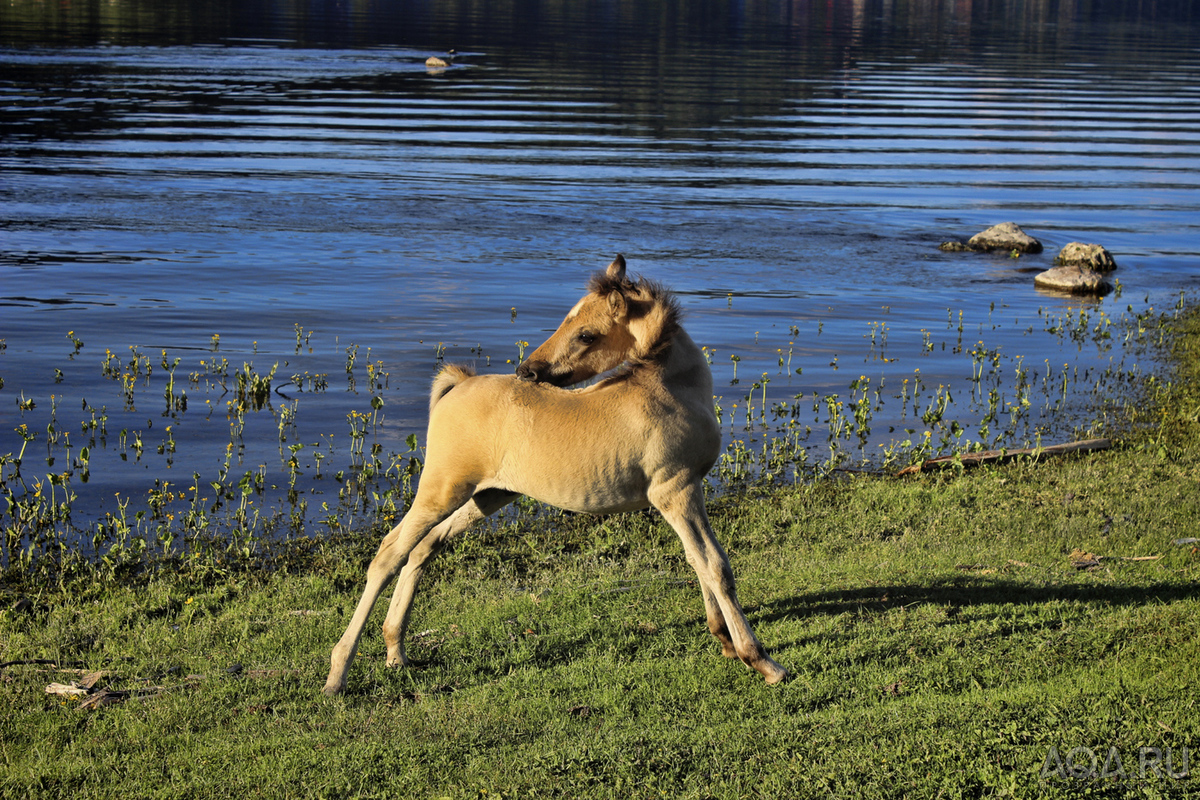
[[647, 299]]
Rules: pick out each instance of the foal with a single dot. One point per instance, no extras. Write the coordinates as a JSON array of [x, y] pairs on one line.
[[645, 436]]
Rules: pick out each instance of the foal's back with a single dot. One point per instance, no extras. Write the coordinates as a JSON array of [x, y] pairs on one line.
[[593, 450]]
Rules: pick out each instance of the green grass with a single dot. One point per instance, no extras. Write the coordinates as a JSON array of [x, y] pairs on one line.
[[940, 636]]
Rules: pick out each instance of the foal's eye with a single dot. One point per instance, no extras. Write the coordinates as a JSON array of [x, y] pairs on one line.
[[586, 338]]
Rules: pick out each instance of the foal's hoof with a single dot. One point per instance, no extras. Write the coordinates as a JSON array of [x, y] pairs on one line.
[[333, 689], [772, 673]]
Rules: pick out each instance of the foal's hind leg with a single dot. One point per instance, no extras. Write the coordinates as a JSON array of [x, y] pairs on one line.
[[683, 508], [394, 550], [483, 504], [717, 625]]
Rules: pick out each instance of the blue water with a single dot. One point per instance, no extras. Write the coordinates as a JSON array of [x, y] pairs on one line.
[[788, 169]]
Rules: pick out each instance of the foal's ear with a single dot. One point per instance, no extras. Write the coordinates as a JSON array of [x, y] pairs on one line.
[[618, 305], [616, 270]]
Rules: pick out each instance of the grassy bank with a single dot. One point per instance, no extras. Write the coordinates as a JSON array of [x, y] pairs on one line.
[[961, 634]]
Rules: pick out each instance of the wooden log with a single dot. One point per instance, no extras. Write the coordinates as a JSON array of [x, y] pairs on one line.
[[999, 456]]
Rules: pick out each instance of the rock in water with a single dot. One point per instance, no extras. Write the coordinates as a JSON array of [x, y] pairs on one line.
[[1090, 256], [1074, 279], [1005, 236]]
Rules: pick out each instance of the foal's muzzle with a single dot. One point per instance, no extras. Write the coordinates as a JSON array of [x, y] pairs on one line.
[[531, 370], [542, 372]]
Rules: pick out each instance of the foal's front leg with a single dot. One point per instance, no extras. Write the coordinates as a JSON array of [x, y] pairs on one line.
[[483, 504], [394, 551], [683, 508]]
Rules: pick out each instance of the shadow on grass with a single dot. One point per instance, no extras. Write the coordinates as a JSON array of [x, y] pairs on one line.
[[494, 658], [963, 593]]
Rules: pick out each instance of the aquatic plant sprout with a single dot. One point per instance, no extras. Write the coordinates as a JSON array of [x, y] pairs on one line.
[[253, 467]]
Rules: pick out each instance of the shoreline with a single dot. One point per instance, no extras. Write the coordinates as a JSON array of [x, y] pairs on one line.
[[953, 630]]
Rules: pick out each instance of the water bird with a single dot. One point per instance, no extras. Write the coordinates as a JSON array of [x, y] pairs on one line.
[[435, 62]]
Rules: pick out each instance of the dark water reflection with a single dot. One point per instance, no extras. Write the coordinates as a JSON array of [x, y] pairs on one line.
[[171, 171]]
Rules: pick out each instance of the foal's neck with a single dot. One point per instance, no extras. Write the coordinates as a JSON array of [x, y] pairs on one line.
[[664, 347], [683, 364]]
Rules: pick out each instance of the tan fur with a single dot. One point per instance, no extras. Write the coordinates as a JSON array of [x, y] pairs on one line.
[[447, 378], [645, 436]]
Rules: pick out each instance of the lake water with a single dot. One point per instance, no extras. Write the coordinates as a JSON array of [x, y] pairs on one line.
[[243, 185]]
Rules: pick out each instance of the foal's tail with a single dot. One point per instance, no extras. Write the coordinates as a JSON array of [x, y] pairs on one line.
[[450, 376]]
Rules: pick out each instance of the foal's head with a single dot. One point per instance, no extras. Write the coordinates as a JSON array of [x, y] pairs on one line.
[[615, 322]]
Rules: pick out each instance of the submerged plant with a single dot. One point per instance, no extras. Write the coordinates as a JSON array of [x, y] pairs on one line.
[[254, 388], [776, 431]]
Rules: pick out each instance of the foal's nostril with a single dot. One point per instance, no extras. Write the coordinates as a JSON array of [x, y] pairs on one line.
[[527, 373]]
